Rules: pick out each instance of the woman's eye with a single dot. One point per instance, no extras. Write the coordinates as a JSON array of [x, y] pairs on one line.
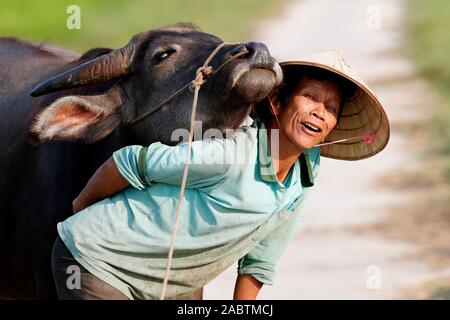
[[309, 96], [331, 108]]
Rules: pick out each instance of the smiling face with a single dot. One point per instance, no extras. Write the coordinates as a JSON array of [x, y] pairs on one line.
[[310, 114]]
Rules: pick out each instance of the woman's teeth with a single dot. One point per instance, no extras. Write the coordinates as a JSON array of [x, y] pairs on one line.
[[311, 127]]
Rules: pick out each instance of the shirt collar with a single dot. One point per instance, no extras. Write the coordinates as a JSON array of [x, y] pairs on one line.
[[267, 170]]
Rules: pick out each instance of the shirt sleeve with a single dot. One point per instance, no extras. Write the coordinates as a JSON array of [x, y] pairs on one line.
[[141, 166]]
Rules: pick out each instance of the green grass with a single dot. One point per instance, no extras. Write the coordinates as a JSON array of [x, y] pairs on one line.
[[440, 294], [106, 23], [429, 42]]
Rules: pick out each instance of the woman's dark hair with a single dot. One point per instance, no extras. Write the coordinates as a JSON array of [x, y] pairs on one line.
[[291, 77]]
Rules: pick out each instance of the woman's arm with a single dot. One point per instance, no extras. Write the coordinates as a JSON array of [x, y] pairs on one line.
[[106, 181], [246, 288]]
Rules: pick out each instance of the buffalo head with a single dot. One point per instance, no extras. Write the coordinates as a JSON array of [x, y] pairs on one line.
[[107, 88]]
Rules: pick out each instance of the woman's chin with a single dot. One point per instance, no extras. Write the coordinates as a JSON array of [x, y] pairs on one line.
[[305, 141], [309, 146], [305, 144], [302, 141]]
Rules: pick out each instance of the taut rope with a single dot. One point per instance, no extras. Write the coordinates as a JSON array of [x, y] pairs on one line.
[[195, 85]]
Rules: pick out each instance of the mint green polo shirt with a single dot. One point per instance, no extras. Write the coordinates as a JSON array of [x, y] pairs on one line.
[[234, 209]]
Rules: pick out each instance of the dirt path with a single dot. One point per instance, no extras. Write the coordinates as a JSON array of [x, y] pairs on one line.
[[327, 260]]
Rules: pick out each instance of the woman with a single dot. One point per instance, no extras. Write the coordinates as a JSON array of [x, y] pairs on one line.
[[234, 209]]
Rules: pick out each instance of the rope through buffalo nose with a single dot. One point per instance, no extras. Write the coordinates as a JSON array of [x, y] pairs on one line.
[[201, 74]]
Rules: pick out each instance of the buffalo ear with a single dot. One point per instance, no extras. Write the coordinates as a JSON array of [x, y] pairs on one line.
[[77, 118]]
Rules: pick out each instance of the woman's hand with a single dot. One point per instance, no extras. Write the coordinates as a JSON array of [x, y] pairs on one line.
[[78, 205], [105, 182], [246, 288]]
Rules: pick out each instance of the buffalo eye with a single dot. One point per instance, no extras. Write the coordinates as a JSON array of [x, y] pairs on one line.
[[161, 56]]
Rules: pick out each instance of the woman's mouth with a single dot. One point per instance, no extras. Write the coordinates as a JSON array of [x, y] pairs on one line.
[[310, 129]]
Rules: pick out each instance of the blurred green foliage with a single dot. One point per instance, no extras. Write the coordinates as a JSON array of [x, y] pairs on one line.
[[107, 23], [429, 41]]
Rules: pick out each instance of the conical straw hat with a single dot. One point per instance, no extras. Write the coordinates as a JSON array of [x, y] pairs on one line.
[[363, 126]]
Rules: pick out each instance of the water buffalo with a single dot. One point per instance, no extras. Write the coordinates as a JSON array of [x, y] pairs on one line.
[[51, 144]]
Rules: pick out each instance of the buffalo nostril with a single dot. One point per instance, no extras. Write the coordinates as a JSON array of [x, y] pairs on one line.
[[238, 49], [251, 50], [255, 48]]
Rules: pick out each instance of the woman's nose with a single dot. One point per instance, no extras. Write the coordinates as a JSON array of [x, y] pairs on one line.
[[319, 111]]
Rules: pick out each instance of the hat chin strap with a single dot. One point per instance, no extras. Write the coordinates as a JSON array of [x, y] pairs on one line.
[[274, 113], [368, 138]]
